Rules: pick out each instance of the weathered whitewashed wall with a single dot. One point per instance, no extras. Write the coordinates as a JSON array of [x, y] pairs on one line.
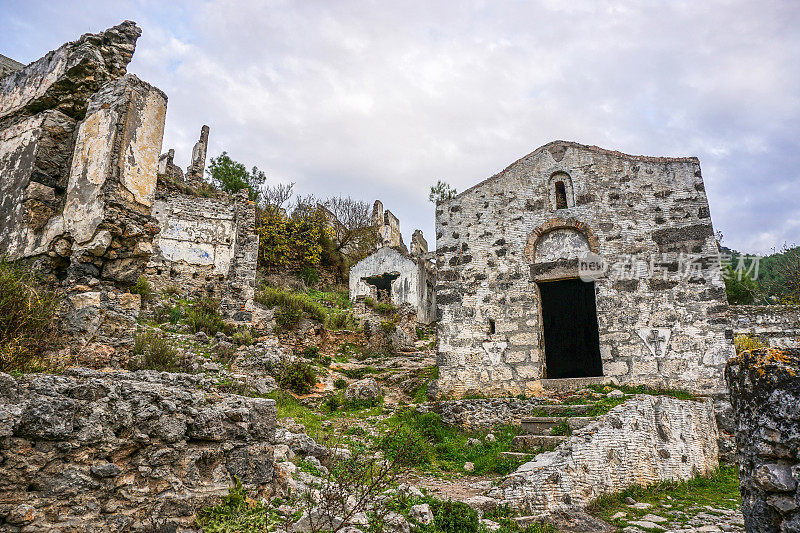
[[413, 285], [645, 440], [647, 208], [207, 247]]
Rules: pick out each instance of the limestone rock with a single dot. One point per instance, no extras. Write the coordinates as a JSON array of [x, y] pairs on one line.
[[421, 513], [366, 389]]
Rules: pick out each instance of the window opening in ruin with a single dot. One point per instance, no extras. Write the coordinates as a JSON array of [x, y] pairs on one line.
[[561, 195], [491, 327], [383, 286], [571, 338]]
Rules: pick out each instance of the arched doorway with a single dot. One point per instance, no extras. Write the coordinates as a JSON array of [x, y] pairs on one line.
[[568, 307]]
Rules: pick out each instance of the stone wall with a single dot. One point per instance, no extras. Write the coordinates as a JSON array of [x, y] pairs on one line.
[[78, 162], [661, 307], [765, 394], [8, 65], [207, 247], [412, 285], [143, 451], [776, 325], [482, 413], [645, 440]]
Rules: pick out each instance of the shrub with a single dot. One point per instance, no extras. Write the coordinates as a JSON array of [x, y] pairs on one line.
[[287, 317], [452, 516], [154, 351], [203, 315], [27, 319], [310, 352], [296, 375], [338, 320], [243, 337], [747, 342], [292, 306], [340, 383], [236, 513], [309, 275], [142, 287], [175, 314]]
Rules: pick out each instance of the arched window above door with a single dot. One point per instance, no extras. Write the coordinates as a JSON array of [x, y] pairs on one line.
[[560, 191]]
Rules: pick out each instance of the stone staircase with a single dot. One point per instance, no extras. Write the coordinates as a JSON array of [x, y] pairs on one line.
[[538, 431]]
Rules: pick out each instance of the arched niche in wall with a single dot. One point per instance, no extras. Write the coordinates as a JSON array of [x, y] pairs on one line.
[[561, 244], [560, 237], [559, 191]]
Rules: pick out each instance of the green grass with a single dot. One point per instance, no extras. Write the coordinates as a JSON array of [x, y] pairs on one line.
[[677, 501], [439, 447], [236, 514], [327, 308]]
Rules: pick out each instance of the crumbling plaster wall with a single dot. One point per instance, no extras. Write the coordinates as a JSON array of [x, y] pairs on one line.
[[207, 247], [78, 160], [412, 285], [623, 206]]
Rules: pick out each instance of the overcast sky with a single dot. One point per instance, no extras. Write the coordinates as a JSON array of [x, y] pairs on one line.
[[380, 99]]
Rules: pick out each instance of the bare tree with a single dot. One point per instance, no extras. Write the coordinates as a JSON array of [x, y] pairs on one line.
[[354, 483], [353, 226], [274, 196]]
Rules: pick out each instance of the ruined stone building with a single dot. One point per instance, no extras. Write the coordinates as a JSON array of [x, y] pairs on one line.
[[392, 274], [8, 65], [579, 262], [388, 227], [206, 247], [79, 152]]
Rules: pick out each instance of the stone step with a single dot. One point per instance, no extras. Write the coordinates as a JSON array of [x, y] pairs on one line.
[[571, 384], [541, 425], [577, 422], [535, 442], [563, 410], [514, 455]]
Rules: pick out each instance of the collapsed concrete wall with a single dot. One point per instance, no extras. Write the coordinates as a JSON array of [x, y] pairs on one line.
[[123, 451], [387, 226], [765, 394], [776, 325], [645, 440]]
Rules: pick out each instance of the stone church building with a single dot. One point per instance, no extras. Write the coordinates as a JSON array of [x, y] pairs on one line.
[[580, 262]]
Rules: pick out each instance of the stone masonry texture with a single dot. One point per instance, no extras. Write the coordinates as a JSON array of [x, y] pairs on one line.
[[776, 325], [104, 452], [765, 394], [644, 440], [647, 217]]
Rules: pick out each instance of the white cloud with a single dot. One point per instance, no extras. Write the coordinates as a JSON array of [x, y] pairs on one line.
[[380, 99]]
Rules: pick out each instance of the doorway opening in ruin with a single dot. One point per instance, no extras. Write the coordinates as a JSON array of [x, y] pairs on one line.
[[383, 286], [571, 339]]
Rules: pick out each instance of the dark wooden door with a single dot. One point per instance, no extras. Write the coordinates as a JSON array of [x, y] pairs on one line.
[[571, 340]]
